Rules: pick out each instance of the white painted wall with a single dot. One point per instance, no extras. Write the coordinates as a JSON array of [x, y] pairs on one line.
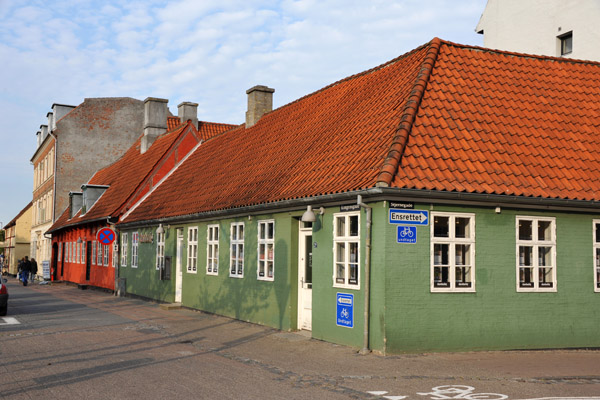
[[532, 26]]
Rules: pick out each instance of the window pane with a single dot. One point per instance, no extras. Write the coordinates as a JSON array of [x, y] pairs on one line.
[[463, 276], [261, 230], [271, 231], [241, 232], [354, 225], [261, 268], [544, 256], [526, 277], [440, 277], [525, 230], [270, 251], [525, 255], [545, 277], [597, 238], [353, 252], [353, 279], [441, 226], [340, 252], [340, 223], [462, 229], [544, 230], [261, 251], [340, 274], [441, 254], [270, 269], [234, 232], [462, 254]]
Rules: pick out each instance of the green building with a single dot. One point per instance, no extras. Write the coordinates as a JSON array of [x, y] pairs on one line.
[[446, 200]]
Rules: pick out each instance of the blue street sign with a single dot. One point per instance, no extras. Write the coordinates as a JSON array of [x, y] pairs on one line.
[[409, 217], [406, 234], [345, 310], [106, 236]]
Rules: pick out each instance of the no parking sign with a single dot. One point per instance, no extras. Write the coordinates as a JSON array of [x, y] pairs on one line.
[[106, 236]]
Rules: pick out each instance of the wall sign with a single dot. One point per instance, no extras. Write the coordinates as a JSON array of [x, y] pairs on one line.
[[404, 206], [350, 207], [146, 238], [409, 217], [406, 234], [345, 310], [106, 236]]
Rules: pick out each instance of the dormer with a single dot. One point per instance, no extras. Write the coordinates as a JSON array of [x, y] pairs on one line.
[[91, 194], [75, 203]]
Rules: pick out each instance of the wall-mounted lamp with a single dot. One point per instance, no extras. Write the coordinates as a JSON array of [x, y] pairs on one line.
[[309, 214], [79, 240], [160, 230], [498, 210]]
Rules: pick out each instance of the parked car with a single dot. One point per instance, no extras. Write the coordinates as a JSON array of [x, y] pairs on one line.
[[3, 297]]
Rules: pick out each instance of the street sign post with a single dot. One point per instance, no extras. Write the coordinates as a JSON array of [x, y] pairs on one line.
[[106, 236]]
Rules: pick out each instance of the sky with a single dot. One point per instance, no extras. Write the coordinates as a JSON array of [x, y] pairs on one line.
[[204, 51]]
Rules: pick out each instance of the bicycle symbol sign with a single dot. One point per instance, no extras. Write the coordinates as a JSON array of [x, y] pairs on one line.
[[406, 234], [106, 236]]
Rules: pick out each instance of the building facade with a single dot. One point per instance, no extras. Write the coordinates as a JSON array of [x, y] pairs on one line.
[[76, 142], [546, 27], [16, 238]]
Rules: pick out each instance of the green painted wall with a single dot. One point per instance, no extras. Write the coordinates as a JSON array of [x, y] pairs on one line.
[[496, 316], [144, 280]]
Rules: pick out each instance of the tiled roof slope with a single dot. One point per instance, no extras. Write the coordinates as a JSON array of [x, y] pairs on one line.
[[511, 124], [207, 130], [122, 177], [443, 117], [331, 141]]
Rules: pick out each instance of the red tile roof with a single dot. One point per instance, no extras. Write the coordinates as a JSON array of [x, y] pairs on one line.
[[207, 130], [123, 178], [442, 117]]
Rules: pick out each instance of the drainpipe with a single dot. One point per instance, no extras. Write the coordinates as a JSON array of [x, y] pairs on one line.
[[365, 349], [54, 177]]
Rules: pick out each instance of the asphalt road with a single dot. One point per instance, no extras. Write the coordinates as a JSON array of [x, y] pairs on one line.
[[60, 342]]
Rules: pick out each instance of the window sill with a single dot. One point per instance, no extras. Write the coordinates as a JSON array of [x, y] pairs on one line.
[[347, 287]]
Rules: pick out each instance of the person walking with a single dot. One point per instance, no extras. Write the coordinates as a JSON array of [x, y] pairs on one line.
[[25, 269], [20, 269], [34, 269]]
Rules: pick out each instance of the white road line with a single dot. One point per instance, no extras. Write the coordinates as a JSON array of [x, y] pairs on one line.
[[9, 321]]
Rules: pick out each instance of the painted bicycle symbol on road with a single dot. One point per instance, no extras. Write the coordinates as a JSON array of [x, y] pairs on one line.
[[460, 392]]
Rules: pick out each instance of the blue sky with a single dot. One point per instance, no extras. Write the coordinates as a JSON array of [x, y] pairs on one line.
[[204, 51]]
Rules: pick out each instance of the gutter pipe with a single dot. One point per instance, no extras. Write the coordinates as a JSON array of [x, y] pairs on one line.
[[365, 349]]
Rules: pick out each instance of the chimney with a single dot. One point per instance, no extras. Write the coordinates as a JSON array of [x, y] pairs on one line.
[[155, 121], [50, 117], [44, 131], [260, 102], [188, 111], [38, 135], [59, 111], [75, 203]]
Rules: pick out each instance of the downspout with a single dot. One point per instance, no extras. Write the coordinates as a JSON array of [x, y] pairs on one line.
[[54, 177], [365, 349]]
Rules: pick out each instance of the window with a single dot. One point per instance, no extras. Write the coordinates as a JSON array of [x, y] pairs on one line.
[[93, 252], [236, 267], [124, 249], [266, 247], [346, 242], [192, 252], [134, 249], [160, 250], [597, 255], [536, 254], [106, 253], [67, 253], [566, 43], [99, 254], [115, 257], [212, 250], [78, 252], [452, 252], [83, 249]]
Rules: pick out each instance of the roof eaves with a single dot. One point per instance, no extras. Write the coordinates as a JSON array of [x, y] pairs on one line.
[[391, 162]]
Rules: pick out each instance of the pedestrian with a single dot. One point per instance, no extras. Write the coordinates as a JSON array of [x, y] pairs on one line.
[[34, 269], [25, 269], [20, 269]]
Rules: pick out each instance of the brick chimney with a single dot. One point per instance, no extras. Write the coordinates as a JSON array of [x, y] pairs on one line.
[[260, 102], [155, 121], [44, 131], [188, 111]]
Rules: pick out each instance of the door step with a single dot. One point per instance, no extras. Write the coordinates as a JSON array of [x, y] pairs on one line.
[[170, 306]]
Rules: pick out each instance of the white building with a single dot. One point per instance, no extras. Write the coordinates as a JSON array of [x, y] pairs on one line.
[[560, 28]]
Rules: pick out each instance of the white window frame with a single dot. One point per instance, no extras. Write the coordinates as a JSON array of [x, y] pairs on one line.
[[212, 250], [596, 256], [83, 251], [236, 250], [453, 243], [192, 253], [535, 243], [124, 239], [115, 257], [78, 253], [135, 237], [347, 240], [94, 252], [67, 252], [106, 251], [265, 251], [99, 254], [160, 250]]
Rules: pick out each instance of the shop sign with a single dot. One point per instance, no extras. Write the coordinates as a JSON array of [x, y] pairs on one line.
[[146, 238]]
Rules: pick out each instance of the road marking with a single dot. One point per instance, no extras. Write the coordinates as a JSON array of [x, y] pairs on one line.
[[466, 393], [9, 321]]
